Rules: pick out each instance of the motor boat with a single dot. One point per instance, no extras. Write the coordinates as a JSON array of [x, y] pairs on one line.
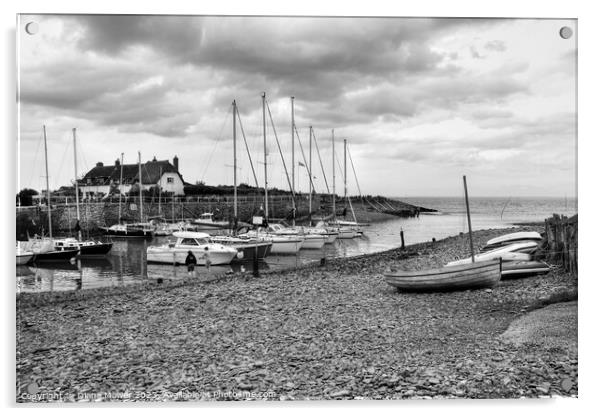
[[205, 251], [281, 244], [309, 240], [206, 223]]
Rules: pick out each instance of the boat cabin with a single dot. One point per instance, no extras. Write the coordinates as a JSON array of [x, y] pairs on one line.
[[191, 239]]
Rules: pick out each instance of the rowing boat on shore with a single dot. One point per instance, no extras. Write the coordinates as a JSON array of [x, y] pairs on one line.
[[464, 276]]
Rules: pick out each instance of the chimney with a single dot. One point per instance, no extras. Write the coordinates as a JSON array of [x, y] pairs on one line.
[[154, 158], [175, 163], [117, 163], [99, 165]]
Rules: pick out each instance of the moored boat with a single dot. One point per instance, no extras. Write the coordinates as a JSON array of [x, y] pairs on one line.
[[463, 276], [201, 246], [246, 246], [86, 248], [138, 230], [23, 256]]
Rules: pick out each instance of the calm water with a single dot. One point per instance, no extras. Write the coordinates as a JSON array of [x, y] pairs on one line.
[[126, 263]]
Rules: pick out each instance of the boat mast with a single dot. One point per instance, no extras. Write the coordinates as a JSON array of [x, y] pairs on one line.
[[140, 186], [79, 232], [345, 166], [120, 184], [160, 176], [293, 152], [47, 185], [265, 159], [468, 215], [321, 164], [234, 146], [334, 203], [310, 177]]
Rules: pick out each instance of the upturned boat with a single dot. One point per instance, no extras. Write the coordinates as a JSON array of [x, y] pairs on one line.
[[512, 238], [201, 246], [512, 252]]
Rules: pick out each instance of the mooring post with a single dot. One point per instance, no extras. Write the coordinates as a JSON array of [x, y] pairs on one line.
[[255, 263], [403, 243]]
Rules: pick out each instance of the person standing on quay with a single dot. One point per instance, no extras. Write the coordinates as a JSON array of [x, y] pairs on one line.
[[190, 262]]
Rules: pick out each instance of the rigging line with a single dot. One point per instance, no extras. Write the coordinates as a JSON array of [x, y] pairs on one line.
[[247, 147], [35, 160], [505, 205], [58, 175], [215, 145], [321, 165], [305, 161], [354, 174], [281, 156]]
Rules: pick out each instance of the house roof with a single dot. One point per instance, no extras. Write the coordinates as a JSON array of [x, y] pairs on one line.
[[151, 173]]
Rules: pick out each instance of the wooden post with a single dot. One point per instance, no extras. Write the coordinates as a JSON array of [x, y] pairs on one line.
[[468, 216]]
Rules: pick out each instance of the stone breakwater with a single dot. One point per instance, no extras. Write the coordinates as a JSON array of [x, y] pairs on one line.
[[332, 332], [33, 220]]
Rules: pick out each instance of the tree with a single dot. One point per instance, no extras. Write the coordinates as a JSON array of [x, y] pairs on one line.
[[24, 197]]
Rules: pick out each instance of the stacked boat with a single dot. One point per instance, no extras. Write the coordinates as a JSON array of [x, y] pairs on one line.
[[515, 250]]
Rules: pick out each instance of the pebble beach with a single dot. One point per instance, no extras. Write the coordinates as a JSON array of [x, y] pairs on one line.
[[315, 333]]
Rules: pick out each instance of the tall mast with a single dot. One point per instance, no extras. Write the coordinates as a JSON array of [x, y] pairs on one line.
[[79, 233], [140, 186], [345, 166], [160, 176], [468, 215], [265, 159], [234, 145], [334, 202], [293, 151], [310, 176], [120, 184], [47, 184]]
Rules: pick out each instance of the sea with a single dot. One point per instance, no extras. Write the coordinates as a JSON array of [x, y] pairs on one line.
[[126, 263]]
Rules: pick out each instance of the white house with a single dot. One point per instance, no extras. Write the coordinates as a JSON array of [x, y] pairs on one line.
[[104, 180]]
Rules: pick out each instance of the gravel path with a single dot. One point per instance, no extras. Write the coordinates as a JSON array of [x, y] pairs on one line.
[[318, 333]]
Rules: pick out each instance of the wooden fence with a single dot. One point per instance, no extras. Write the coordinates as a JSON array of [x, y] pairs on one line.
[[561, 233]]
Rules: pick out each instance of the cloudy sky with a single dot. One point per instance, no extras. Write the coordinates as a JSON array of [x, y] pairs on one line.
[[421, 101]]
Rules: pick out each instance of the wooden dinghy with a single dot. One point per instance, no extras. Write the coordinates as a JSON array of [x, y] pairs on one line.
[[515, 269], [464, 276]]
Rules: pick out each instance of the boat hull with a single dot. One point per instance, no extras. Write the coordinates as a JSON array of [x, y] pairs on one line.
[[286, 246], [24, 258], [513, 252], [471, 276], [248, 251], [99, 249], [55, 256], [131, 233], [178, 255], [313, 242], [516, 269]]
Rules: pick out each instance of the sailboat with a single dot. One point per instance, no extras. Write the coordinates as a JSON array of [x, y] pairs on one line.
[[281, 244], [248, 248], [473, 275], [87, 248], [44, 248], [131, 230]]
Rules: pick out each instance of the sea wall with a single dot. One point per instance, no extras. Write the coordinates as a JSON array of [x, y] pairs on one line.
[[94, 214]]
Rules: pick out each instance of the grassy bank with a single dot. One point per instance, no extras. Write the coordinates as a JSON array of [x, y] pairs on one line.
[[318, 333]]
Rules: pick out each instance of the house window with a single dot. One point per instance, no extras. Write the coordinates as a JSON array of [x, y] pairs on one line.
[[169, 180]]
